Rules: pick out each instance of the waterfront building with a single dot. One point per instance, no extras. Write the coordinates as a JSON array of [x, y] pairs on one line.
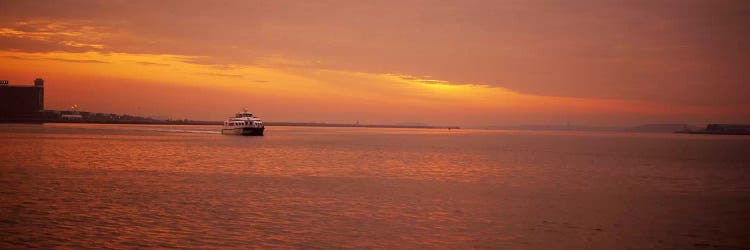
[[21, 101]]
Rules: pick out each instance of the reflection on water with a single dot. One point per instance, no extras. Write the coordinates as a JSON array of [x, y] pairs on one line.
[[76, 185]]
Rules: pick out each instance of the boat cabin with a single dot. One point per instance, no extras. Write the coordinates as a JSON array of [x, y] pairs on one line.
[[237, 123], [244, 119], [243, 114]]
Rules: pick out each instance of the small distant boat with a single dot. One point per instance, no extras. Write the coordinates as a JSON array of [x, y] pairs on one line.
[[243, 123]]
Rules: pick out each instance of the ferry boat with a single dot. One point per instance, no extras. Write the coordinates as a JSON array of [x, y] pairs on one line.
[[243, 123]]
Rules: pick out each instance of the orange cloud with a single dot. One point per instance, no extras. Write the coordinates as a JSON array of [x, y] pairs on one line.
[[299, 93]]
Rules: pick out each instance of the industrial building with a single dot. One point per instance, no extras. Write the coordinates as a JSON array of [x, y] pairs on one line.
[[21, 101]]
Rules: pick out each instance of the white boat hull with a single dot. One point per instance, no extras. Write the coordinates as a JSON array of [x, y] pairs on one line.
[[243, 131]]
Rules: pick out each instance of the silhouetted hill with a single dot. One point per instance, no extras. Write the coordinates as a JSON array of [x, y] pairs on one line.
[[554, 128], [661, 128], [648, 128]]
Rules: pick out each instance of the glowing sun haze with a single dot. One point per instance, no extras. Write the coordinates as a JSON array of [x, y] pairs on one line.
[[468, 63]]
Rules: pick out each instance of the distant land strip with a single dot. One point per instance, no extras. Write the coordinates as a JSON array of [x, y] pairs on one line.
[[143, 120], [53, 116], [320, 124], [192, 122]]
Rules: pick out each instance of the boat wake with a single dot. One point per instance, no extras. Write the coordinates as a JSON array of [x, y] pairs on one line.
[[187, 131]]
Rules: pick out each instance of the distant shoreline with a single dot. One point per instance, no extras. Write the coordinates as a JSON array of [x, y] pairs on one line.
[[218, 123], [706, 132]]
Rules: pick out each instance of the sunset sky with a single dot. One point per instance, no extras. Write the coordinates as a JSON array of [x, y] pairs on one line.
[[466, 63]]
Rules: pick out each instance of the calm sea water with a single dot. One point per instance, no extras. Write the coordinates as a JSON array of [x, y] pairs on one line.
[[140, 186]]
